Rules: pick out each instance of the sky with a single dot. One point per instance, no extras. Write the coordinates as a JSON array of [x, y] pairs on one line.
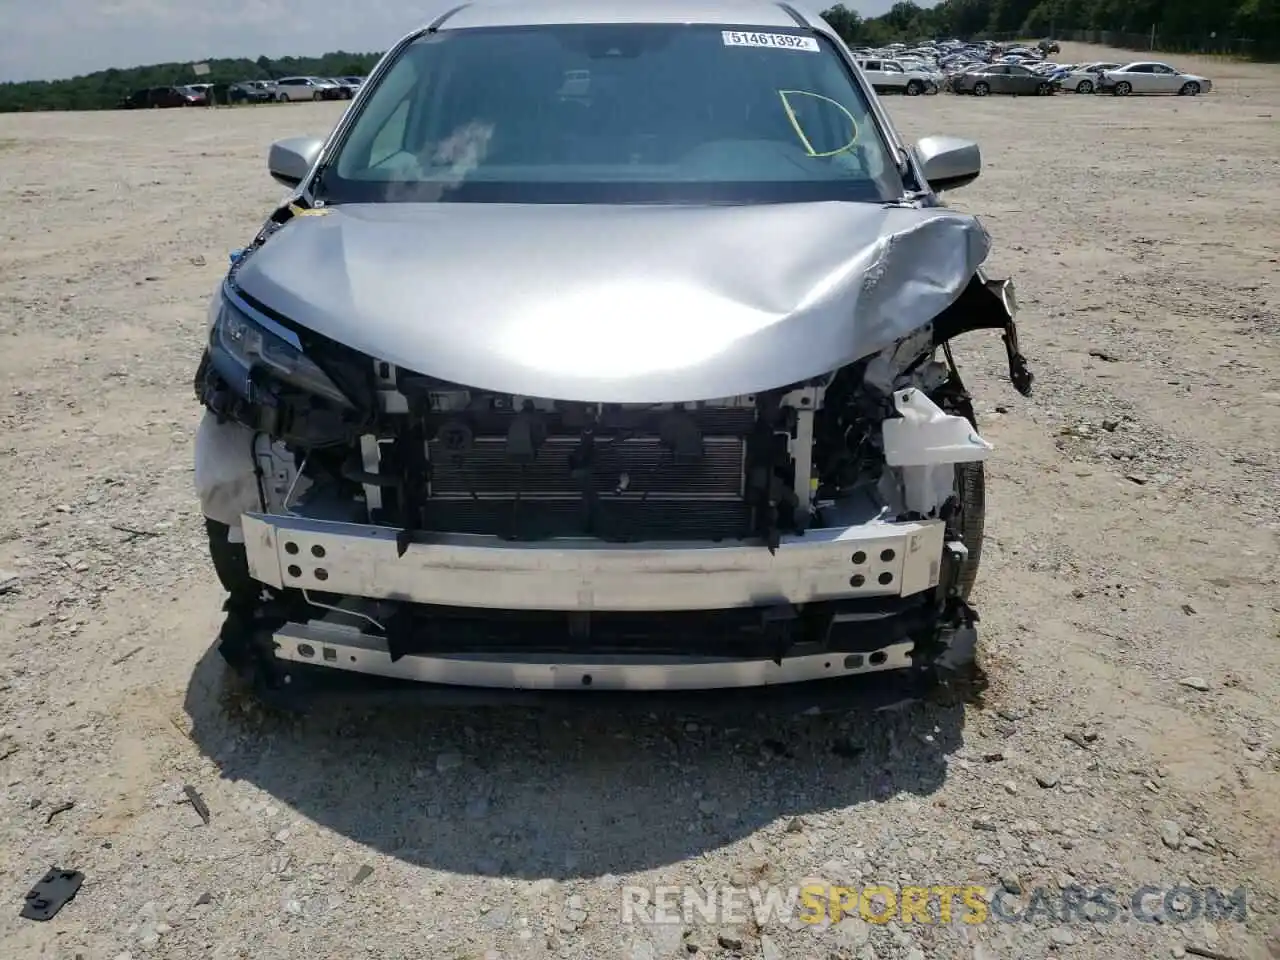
[[53, 39]]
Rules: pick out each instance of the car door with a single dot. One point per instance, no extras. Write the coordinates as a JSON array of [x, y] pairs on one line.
[[996, 77], [1019, 80], [895, 77], [875, 73], [1165, 79], [1141, 77]]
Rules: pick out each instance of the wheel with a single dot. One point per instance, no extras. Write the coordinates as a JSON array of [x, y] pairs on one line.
[[981, 88], [230, 563], [1084, 86], [1189, 89], [1044, 90], [914, 88], [1123, 88]]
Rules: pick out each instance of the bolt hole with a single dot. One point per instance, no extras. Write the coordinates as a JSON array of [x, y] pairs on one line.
[[859, 558], [878, 658], [291, 548], [827, 665], [306, 650], [887, 555], [857, 580], [295, 570], [885, 579], [317, 551], [586, 679], [322, 573]]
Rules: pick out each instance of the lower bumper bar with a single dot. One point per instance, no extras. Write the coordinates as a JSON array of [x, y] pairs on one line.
[[357, 560], [339, 647]]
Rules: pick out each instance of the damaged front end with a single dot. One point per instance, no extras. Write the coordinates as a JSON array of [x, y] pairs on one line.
[[374, 520]]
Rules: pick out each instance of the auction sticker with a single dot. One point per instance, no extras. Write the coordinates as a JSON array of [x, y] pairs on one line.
[[781, 41]]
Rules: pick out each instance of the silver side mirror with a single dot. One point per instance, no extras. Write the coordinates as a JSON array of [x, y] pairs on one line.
[[289, 161], [948, 162]]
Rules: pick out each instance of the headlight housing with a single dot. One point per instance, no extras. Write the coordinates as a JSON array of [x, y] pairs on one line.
[[241, 347]]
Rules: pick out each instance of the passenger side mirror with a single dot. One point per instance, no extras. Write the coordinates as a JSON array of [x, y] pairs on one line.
[[948, 162], [289, 161]]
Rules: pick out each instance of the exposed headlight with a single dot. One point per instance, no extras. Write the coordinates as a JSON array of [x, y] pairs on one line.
[[239, 345]]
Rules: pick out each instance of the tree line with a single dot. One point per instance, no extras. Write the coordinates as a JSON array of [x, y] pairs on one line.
[[1247, 27]]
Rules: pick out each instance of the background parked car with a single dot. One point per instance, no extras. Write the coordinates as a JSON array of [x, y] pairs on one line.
[[1011, 78], [893, 76], [252, 91], [1152, 77], [344, 90], [201, 91], [1086, 77], [291, 89], [159, 97]]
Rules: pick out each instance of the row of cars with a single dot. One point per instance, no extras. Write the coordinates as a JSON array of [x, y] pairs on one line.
[[984, 67], [285, 90], [1140, 77]]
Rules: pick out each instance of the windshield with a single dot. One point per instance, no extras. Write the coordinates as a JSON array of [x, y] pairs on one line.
[[613, 114]]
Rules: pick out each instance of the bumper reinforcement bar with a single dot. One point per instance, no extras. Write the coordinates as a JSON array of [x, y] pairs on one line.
[[358, 560]]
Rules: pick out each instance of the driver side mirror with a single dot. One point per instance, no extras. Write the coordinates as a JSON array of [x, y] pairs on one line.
[[948, 162], [289, 161]]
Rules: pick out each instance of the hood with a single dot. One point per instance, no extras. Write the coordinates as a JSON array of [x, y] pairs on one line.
[[617, 303]]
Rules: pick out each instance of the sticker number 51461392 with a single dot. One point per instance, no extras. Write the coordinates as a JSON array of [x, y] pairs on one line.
[[780, 41]]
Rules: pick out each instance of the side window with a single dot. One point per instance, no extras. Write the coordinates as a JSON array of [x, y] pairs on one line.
[[1142, 68], [871, 65], [893, 68]]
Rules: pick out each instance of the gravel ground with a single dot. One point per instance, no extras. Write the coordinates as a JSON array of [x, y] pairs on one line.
[[1129, 599]]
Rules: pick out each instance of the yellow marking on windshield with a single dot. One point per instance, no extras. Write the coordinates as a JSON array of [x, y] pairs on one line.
[[784, 95]]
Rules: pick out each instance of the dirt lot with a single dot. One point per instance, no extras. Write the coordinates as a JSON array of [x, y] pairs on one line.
[[1129, 599]]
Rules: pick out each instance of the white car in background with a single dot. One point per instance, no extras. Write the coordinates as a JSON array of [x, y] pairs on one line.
[[890, 75], [1152, 77], [1086, 77], [290, 89]]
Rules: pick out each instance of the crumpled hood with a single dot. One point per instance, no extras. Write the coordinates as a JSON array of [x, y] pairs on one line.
[[617, 304]]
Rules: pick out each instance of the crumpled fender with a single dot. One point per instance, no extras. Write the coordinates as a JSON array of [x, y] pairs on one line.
[[239, 470]]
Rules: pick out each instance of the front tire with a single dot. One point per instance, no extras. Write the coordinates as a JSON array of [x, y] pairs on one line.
[[1123, 89], [981, 89], [1084, 86], [230, 563], [1189, 89], [1044, 90], [914, 88]]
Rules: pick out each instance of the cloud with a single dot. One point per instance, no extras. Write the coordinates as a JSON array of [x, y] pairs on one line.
[[52, 39]]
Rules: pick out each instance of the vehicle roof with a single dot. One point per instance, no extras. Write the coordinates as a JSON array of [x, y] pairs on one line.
[[511, 13]]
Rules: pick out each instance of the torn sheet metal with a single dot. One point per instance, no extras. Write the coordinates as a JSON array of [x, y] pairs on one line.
[[617, 303]]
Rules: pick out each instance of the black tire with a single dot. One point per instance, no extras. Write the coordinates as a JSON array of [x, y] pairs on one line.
[[1044, 90], [914, 88], [1189, 89], [230, 563], [981, 88], [1084, 86], [1123, 89]]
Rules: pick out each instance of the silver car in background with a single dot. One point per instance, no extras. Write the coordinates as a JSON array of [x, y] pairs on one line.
[[602, 346]]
